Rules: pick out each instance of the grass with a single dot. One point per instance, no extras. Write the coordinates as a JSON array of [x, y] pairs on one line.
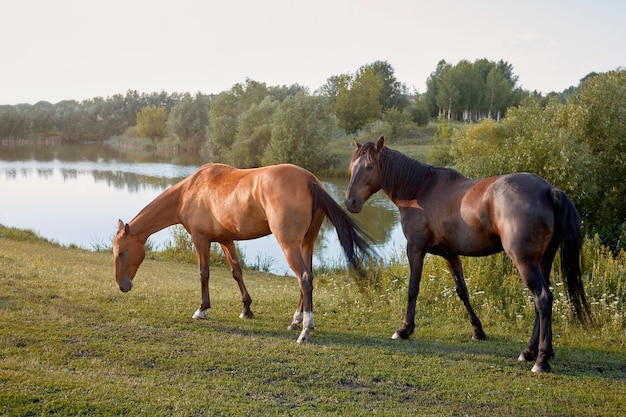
[[72, 344]]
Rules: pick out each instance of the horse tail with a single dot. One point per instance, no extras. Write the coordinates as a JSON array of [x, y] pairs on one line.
[[567, 227], [354, 240]]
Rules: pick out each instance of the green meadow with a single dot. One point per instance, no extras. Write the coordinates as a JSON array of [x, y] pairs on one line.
[[71, 344]]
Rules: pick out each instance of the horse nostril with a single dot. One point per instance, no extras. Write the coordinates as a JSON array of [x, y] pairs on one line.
[[125, 287], [351, 204]]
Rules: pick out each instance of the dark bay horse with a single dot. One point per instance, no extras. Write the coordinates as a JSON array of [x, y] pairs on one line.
[[222, 204], [446, 214]]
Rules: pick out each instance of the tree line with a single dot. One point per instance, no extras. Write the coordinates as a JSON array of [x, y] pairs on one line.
[[345, 104]]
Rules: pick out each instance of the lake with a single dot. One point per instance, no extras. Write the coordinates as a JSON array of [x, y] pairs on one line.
[[74, 194]]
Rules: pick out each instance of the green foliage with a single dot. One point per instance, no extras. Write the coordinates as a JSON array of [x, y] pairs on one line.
[[400, 123], [419, 111], [471, 90], [357, 101], [301, 129], [223, 119], [254, 131], [440, 149], [152, 122], [393, 92], [188, 120], [602, 98]]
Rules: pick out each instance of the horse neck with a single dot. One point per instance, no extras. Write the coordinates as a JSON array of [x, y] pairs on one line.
[[403, 177], [159, 214]]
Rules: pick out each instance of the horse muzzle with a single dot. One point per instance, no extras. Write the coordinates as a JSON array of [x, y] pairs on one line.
[[353, 205], [125, 285]]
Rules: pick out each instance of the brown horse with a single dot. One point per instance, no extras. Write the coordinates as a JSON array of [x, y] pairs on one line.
[[446, 214], [222, 204]]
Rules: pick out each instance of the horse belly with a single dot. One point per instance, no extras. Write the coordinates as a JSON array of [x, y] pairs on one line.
[[463, 240]]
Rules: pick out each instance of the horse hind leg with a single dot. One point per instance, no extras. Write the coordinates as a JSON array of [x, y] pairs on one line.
[[305, 280], [297, 316], [456, 269], [540, 343], [235, 268], [307, 251], [531, 352]]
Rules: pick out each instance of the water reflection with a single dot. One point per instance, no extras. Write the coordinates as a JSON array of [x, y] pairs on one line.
[[75, 194]]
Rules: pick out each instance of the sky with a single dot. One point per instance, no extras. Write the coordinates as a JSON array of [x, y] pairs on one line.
[[81, 49]]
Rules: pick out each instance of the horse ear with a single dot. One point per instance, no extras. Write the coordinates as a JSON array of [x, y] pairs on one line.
[[380, 143], [121, 225], [356, 143]]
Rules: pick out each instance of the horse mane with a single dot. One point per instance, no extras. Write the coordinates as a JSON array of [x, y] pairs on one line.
[[403, 177]]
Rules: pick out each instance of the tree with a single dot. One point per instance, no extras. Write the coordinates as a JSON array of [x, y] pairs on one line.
[[473, 90], [224, 115], [448, 93], [188, 120], [393, 93], [419, 111], [433, 83], [254, 131], [301, 129], [357, 101], [399, 122], [470, 89], [602, 97], [152, 122], [497, 91]]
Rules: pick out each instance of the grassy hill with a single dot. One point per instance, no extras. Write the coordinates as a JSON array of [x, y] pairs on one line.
[[72, 344]]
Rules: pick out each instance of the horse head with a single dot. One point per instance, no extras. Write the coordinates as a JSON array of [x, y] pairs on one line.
[[128, 254], [364, 174]]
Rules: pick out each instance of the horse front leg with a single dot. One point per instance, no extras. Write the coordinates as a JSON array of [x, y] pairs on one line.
[[456, 269], [235, 268], [202, 250], [205, 304], [416, 263]]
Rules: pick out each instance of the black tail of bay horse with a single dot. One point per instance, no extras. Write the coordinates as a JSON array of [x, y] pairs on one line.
[[569, 233], [446, 214]]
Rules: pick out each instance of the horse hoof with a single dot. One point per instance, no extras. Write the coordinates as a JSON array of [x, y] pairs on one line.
[[305, 336], [526, 356], [540, 369], [293, 326], [199, 315], [247, 315], [401, 334], [479, 336]]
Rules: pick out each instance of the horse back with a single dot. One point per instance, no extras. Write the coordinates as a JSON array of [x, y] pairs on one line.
[[477, 217], [233, 203]]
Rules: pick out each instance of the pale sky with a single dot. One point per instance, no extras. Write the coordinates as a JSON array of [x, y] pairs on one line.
[[81, 49]]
